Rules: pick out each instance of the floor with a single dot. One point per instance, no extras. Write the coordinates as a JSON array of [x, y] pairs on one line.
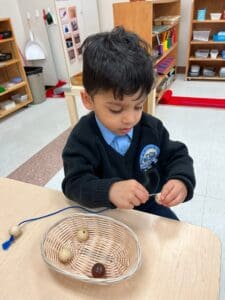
[[28, 134], [27, 131]]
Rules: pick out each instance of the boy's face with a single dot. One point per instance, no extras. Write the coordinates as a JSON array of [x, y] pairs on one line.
[[119, 116]]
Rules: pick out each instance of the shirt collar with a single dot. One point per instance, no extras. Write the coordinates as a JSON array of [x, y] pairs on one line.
[[109, 135]]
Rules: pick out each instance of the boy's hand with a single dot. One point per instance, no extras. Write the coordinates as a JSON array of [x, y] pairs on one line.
[[127, 194], [173, 192]]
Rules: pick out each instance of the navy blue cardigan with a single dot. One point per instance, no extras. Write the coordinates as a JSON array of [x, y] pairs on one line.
[[91, 166]]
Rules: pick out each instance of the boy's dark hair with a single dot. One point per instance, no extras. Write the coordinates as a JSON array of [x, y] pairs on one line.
[[119, 61]]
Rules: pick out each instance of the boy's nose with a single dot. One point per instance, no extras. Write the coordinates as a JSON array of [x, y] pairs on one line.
[[129, 118]]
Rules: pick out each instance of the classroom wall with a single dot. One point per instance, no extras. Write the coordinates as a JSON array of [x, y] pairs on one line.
[[184, 31], [41, 36], [106, 13], [106, 23]]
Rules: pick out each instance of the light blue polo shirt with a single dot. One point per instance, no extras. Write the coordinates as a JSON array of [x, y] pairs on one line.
[[120, 143]]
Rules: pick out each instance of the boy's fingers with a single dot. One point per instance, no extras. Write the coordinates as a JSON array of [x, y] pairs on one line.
[[139, 186], [135, 201], [166, 190], [174, 202], [127, 205], [170, 197], [142, 196], [130, 206]]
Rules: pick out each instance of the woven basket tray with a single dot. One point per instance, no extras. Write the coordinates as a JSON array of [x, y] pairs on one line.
[[110, 242]]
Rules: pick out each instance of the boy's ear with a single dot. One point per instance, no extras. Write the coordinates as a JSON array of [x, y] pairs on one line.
[[87, 101]]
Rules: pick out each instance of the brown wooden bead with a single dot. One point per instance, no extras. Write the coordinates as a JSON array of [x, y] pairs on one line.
[[98, 270]]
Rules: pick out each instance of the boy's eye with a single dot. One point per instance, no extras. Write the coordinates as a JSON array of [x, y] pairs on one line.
[[139, 107]]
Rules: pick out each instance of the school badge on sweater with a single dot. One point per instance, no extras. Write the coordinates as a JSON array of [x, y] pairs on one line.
[[149, 157]]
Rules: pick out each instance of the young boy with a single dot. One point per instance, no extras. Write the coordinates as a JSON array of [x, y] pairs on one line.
[[117, 155]]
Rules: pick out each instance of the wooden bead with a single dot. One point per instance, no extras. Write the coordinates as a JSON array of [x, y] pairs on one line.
[[65, 255], [157, 198], [98, 270], [15, 231], [82, 235]]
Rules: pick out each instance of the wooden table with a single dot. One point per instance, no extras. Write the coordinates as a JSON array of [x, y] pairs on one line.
[[179, 261]]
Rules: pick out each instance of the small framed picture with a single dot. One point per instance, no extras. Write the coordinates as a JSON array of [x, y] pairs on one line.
[[74, 25], [77, 38], [79, 50], [66, 28], [63, 14], [72, 12], [71, 54], [69, 42]]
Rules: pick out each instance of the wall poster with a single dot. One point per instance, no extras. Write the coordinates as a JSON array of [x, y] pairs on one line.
[[70, 28]]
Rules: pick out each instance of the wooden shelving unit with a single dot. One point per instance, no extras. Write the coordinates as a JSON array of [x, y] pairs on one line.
[[138, 16], [10, 69], [215, 6], [209, 42]]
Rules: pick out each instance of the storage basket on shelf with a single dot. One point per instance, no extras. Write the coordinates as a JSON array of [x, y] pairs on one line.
[[170, 20], [201, 35], [214, 53], [215, 16], [219, 37], [202, 53], [110, 243], [167, 20]]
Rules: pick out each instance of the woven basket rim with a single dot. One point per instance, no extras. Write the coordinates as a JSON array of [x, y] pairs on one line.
[[84, 278]]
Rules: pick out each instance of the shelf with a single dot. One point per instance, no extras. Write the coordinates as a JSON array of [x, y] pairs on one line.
[[210, 42], [9, 62], [14, 88], [4, 19], [214, 26], [208, 21], [169, 68], [219, 58], [6, 40], [160, 79], [165, 54], [138, 16], [168, 27], [4, 113], [163, 1], [205, 78], [159, 94], [11, 69]]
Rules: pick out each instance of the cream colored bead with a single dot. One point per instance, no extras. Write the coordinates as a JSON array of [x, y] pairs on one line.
[[82, 235], [157, 198], [65, 255], [15, 231]]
